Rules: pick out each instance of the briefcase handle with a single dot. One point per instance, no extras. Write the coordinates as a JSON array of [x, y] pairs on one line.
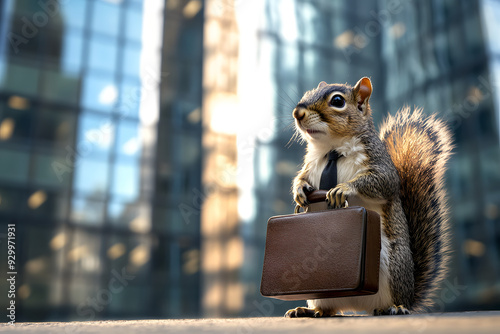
[[316, 196]]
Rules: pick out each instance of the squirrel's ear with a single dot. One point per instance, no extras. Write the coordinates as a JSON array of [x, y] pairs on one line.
[[363, 90], [321, 84]]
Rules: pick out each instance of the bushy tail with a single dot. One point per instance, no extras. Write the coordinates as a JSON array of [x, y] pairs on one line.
[[420, 147]]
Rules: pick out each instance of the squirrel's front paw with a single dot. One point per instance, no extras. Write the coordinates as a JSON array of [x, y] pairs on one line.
[[336, 197], [299, 193]]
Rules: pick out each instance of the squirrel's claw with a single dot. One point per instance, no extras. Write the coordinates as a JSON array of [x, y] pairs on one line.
[[300, 312], [393, 310], [336, 197], [299, 193]]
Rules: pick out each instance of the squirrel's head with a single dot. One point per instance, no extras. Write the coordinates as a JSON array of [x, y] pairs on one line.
[[334, 111]]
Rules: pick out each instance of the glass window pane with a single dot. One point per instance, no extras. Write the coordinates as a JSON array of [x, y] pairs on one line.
[[95, 136], [128, 139], [176, 220], [118, 210], [133, 26], [55, 127], [74, 13], [126, 214], [12, 199], [491, 12], [132, 60], [106, 17], [83, 254], [117, 250], [103, 52], [51, 170], [38, 253], [16, 119], [126, 180], [490, 161], [39, 292], [99, 92], [71, 57], [16, 170], [41, 202], [91, 177], [130, 97], [22, 79], [59, 87], [87, 210], [495, 77], [140, 256]]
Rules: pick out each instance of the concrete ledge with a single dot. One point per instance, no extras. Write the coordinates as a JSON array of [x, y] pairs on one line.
[[465, 322]]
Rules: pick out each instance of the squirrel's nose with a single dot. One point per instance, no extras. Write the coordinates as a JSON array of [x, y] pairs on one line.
[[299, 113]]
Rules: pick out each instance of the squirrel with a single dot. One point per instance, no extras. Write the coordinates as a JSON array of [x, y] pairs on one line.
[[398, 173]]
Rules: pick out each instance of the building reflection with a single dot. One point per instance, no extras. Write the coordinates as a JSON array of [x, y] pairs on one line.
[[79, 118]]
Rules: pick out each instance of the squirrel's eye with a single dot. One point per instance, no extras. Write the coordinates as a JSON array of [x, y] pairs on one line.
[[337, 101]]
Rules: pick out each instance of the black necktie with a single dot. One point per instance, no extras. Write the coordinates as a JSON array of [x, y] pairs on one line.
[[329, 176]]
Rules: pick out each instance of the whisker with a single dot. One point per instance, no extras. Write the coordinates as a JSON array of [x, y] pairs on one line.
[[288, 96], [296, 137], [292, 139], [284, 118], [291, 106], [287, 121], [290, 125], [296, 93], [284, 105]]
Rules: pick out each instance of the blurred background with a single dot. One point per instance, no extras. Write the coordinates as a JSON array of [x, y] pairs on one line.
[[144, 144]]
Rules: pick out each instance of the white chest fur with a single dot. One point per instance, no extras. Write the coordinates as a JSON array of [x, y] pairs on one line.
[[348, 166], [351, 164]]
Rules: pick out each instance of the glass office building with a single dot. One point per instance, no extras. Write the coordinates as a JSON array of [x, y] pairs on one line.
[[91, 171], [144, 144]]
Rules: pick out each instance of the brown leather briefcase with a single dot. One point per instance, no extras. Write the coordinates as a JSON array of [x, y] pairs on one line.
[[323, 253]]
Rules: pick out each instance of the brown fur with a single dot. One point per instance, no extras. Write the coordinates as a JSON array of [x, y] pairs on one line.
[[343, 123], [420, 147]]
